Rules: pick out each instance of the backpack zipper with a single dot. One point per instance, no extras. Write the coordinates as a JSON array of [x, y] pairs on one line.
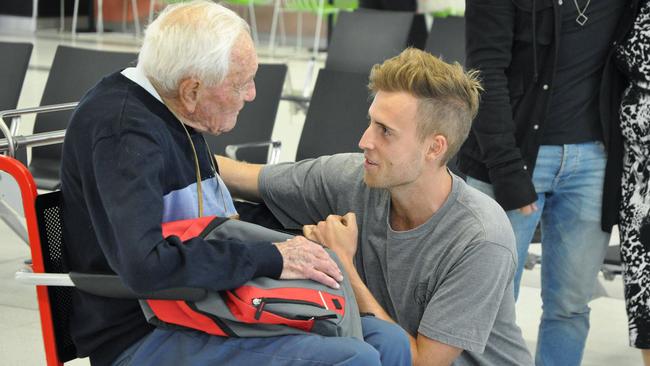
[[260, 302]]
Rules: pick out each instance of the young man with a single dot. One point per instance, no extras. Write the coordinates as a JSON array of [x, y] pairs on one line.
[[422, 248], [134, 158], [547, 145]]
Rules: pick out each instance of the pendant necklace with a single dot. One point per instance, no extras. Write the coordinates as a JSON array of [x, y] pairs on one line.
[[581, 18]]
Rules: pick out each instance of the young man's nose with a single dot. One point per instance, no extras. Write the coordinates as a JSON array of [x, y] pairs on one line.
[[365, 143]]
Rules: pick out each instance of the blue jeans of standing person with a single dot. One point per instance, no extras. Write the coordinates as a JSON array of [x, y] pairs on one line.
[[568, 180], [385, 344]]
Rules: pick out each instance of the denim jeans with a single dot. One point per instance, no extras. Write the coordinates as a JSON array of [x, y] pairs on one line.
[[385, 344], [568, 180]]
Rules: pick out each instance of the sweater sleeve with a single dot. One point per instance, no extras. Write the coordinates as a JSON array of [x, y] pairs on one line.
[[129, 170], [489, 41]]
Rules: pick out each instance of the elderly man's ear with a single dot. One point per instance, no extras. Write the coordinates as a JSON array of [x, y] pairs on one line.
[[188, 93]]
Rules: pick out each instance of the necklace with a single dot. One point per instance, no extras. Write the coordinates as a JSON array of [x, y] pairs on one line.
[[581, 18]]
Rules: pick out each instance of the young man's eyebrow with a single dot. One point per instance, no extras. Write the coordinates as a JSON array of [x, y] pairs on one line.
[[383, 125]]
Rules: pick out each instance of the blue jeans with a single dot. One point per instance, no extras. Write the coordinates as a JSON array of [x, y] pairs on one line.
[[385, 344], [569, 184]]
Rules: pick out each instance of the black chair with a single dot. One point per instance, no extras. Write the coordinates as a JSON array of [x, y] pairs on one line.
[[55, 305], [337, 114], [73, 72], [48, 214], [363, 38], [256, 119], [13, 68], [447, 39], [12, 73]]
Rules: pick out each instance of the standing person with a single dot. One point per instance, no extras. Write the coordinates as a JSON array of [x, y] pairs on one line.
[[633, 57], [541, 141], [422, 248], [134, 158]]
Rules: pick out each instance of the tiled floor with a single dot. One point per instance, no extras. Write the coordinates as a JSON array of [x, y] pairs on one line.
[[20, 342]]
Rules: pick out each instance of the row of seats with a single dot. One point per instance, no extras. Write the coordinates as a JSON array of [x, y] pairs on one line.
[[331, 114]]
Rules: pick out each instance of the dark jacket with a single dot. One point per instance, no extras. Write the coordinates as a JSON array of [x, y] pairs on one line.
[[516, 51], [128, 167]]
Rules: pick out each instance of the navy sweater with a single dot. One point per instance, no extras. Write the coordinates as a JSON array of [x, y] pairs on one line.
[[128, 167]]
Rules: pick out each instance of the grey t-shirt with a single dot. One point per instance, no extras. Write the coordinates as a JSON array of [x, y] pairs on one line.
[[449, 279]]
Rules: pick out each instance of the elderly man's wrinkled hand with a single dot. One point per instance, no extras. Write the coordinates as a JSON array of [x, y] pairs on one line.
[[338, 233], [304, 259]]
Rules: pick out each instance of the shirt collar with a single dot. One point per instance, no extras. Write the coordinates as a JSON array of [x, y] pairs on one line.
[[136, 75]]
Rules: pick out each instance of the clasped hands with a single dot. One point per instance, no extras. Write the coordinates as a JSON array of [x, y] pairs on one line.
[[302, 258], [338, 233]]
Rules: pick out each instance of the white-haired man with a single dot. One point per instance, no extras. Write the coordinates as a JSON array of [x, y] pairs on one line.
[[134, 158]]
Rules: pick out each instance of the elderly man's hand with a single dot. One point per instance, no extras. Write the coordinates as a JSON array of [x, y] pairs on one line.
[[305, 259], [338, 233]]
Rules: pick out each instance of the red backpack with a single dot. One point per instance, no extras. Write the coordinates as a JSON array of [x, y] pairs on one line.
[[262, 307]]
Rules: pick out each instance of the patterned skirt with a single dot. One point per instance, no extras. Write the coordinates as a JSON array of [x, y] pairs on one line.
[[634, 224]]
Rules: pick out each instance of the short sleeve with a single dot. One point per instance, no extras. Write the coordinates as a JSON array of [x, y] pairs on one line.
[[307, 191]]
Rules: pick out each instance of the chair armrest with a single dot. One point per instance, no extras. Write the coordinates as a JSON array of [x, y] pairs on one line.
[[276, 147], [11, 142], [106, 286], [301, 102], [27, 277]]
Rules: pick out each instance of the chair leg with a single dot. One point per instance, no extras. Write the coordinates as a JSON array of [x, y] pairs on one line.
[[61, 16], [319, 24], [283, 30], [75, 12], [299, 31], [125, 8], [274, 26], [100, 16], [152, 5], [306, 86], [136, 18], [253, 21], [314, 56]]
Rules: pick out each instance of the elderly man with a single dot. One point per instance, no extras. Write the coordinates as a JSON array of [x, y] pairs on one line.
[[134, 158], [431, 253]]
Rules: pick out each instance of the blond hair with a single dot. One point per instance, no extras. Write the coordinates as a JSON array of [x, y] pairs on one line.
[[448, 97]]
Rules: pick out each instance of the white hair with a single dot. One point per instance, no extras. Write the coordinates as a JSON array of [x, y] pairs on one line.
[[192, 39]]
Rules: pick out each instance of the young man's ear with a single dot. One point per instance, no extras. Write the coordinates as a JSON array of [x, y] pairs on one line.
[[437, 147], [188, 93]]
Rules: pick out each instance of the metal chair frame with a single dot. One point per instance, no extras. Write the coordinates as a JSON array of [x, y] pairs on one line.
[[100, 16]]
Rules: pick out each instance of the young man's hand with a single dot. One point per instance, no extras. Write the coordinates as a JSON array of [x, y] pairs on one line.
[[338, 233], [528, 209]]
